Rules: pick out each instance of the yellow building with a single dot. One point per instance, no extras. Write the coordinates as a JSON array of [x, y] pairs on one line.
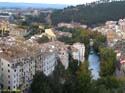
[[41, 26], [51, 35], [4, 26]]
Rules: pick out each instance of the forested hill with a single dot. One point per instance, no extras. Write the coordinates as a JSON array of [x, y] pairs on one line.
[[94, 13]]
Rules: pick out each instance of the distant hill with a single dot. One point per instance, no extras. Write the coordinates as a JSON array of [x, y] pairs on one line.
[[33, 5], [93, 13]]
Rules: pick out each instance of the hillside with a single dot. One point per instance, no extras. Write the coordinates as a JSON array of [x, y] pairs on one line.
[[94, 13]]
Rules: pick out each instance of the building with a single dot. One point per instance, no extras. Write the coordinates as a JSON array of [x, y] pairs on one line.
[[72, 25], [68, 25], [50, 34], [121, 23], [20, 61], [41, 27], [62, 51], [17, 66], [60, 34], [110, 37], [47, 60], [113, 30], [78, 51], [63, 54], [111, 24], [17, 31], [4, 27]]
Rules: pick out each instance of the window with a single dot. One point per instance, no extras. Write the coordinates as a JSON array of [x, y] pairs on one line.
[[8, 70], [8, 76], [8, 87], [8, 82], [20, 70], [8, 65], [12, 64], [26, 85], [14, 70]]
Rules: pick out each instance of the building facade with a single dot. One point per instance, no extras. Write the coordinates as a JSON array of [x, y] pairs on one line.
[[18, 65], [78, 52]]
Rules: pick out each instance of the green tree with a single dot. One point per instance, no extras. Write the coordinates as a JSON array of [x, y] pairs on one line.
[[90, 14], [70, 85], [40, 84], [84, 78], [108, 59], [58, 78]]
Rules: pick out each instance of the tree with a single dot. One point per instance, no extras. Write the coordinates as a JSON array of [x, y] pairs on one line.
[[58, 78], [84, 78], [40, 84], [90, 14], [108, 59], [110, 84], [70, 85]]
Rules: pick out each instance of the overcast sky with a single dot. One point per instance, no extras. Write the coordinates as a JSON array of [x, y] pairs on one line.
[[69, 2]]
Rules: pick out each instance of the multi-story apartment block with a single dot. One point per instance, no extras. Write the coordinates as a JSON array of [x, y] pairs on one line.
[[20, 62], [17, 67], [61, 51], [78, 52], [46, 62]]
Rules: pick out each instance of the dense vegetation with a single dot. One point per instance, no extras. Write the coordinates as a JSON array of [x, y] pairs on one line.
[[94, 13], [76, 79]]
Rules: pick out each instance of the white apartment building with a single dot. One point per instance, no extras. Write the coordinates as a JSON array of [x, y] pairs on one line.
[[62, 52], [46, 62], [18, 73], [17, 67], [78, 52], [63, 55], [19, 63]]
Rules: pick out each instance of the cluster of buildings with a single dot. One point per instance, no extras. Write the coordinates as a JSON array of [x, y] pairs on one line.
[[19, 61], [7, 28], [52, 35], [113, 30]]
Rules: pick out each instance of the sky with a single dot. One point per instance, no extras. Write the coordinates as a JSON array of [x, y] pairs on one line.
[[69, 2]]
